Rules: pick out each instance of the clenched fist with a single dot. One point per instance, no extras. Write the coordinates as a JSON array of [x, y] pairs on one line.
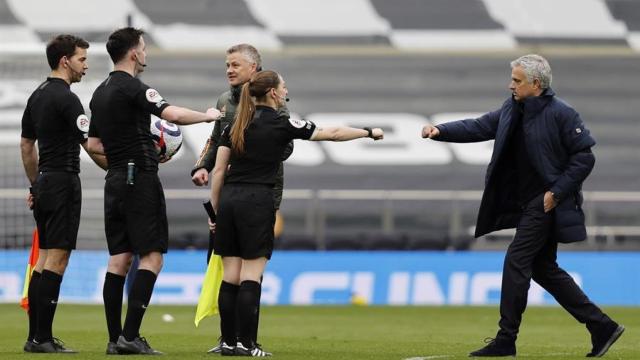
[[430, 131]]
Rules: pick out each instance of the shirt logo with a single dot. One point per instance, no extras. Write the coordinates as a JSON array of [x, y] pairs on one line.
[[82, 122], [153, 96], [297, 123]]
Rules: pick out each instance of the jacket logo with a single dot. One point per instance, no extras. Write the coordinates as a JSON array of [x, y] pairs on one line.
[[578, 130]]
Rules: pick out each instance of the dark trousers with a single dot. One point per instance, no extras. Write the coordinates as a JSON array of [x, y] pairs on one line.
[[532, 255]]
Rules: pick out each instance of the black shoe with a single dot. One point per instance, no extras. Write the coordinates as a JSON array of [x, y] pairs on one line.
[[227, 350], [495, 348], [112, 349], [255, 351], [139, 345], [216, 349], [602, 341], [54, 346], [28, 346]]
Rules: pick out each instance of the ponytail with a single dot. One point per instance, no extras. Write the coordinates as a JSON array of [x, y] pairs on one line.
[[244, 116], [257, 87]]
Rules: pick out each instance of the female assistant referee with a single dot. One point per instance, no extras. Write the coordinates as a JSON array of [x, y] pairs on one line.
[[253, 147]]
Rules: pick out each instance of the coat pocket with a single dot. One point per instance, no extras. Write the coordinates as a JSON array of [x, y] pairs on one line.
[[569, 222]]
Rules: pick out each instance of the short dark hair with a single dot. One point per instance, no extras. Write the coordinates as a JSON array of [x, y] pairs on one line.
[[63, 45], [121, 41]]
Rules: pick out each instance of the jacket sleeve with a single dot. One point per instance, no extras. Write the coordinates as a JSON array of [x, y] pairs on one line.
[[471, 130], [207, 159], [577, 141]]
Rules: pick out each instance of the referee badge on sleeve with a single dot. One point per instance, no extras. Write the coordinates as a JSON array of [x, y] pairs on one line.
[[82, 122], [297, 123], [153, 96]]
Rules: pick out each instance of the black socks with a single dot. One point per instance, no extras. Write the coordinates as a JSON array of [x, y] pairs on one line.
[[227, 300], [247, 303], [32, 295], [138, 301], [48, 292], [112, 296], [255, 330]]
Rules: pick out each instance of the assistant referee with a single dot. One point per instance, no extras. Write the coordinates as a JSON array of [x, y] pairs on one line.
[[242, 62], [55, 119], [253, 148], [135, 211]]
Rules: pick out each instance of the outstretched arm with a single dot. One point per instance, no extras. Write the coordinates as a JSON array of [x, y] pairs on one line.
[[183, 116], [345, 133], [463, 131]]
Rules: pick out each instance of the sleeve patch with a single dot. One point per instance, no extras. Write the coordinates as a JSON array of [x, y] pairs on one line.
[[297, 123], [310, 124], [153, 96], [83, 123]]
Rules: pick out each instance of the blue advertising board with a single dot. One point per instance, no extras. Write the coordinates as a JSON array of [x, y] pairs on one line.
[[377, 278]]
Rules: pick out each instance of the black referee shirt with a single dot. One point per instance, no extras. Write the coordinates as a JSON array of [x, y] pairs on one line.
[[121, 109], [55, 118], [265, 142]]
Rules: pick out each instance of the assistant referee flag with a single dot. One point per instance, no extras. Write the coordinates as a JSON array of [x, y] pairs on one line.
[[208, 301], [33, 259]]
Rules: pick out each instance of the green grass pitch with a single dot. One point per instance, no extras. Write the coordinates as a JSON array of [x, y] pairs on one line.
[[349, 332]]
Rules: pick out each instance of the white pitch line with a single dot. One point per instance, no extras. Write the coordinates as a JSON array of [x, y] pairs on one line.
[[429, 357]]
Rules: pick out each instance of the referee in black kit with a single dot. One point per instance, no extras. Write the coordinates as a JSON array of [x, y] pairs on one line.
[[242, 62], [54, 117], [135, 212], [253, 148]]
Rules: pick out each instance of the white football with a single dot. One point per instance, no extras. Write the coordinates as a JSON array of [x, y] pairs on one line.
[[166, 136]]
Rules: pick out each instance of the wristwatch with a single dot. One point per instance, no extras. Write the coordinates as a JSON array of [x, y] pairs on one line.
[[370, 132], [555, 197]]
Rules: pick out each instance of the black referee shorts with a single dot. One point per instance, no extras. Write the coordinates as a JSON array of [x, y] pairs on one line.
[[135, 216], [58, 199], [244, 225]]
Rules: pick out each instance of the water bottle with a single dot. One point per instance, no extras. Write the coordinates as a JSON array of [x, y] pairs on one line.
[[131, 172]]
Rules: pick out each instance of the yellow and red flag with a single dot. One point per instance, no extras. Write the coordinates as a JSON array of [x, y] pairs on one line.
[[33, 259]]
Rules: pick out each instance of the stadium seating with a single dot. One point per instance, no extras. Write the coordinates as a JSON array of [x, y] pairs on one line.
[[272, 24]]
